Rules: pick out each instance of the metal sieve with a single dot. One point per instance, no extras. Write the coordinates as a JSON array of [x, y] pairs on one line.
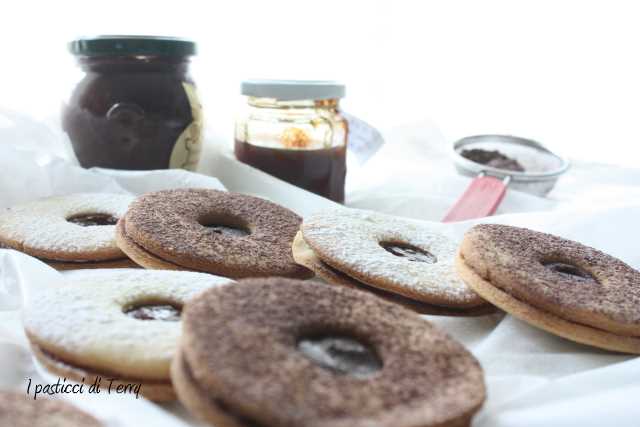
[[542, 168]]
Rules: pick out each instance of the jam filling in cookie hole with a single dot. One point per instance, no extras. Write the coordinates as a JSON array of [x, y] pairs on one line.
[[567, 269], [323, 355], [408, 251], [341, 354], [86, 220], [226, 226], [164, 311]]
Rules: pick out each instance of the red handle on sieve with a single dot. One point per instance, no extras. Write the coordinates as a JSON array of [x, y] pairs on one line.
[[480, 199]]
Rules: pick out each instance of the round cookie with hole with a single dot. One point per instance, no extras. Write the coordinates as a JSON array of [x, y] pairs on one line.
[[304, 255], [120, 324], [392, 254], [564, 287], [19, 410], [275, 352], [68, 232], [218, 232]]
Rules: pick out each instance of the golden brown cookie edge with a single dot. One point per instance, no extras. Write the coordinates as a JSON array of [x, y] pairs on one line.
[[155, 391], [138, 254], [549, 322], [189, 394]]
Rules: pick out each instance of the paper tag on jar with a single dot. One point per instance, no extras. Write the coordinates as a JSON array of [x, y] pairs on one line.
[[364, 139], [186, 151]]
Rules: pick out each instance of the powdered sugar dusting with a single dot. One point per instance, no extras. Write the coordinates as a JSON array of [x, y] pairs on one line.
[[351, 239], [84, 319], [42, 226]]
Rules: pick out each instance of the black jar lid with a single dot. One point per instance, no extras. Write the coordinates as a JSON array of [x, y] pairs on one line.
[[132, 45]]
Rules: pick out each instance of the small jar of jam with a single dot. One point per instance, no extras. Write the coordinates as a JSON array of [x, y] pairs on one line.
[[136, 105], [293, 130]]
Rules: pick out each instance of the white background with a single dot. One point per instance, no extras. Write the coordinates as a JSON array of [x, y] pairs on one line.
[[563, 72]]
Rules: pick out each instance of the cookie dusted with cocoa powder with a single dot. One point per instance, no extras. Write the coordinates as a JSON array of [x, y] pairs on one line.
[[213, 231], [282, 352], [18, 410], [121, 324], [391, 256], [68, 232], [561, 286]]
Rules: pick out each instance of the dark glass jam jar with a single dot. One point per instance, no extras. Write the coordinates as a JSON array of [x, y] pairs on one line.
[[294, 131], [136, 105]]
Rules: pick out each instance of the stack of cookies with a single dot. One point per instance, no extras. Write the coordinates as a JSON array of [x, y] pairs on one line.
[[405, 262], [281, 352], [68, 232], [218, 232], [122, 324], [561, 286]]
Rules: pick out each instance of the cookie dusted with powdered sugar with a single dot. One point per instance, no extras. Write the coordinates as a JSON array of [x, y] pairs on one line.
[[396, 255], [304, 255], [73, 231], [121, 323]]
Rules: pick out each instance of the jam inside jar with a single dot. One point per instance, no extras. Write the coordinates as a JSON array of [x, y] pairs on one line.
[[136, 105], [293, 130]]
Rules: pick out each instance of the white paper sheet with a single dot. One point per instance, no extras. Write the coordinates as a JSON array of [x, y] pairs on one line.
[[533, 378]]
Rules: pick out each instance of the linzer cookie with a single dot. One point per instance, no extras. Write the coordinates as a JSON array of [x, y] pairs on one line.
[[19, 410], [555, 284], [282, 352], [223, 233], [68, 232], [122, 324], [304, 255], [397, 259]]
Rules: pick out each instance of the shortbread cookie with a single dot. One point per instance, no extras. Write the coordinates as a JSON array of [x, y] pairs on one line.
[[213, 231], [304, 255], [19, 410], [74, 231], [390, 253], [276, 352], [122, 324], [558, 285]]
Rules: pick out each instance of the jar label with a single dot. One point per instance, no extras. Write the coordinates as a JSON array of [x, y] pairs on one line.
[[186, 152], [364, 139]]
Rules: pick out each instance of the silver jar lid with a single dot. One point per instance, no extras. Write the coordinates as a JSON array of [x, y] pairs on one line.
[[293, 90]]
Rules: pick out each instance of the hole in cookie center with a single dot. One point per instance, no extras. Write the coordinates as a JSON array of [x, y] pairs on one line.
[[568, 270], [341, 354], [154, 311], [230, 227], [410, 252], [85, 220]]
